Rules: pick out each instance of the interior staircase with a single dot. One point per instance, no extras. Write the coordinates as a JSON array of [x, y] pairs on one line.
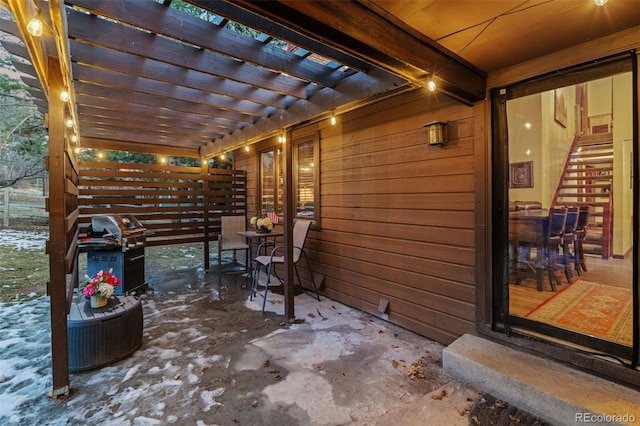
[[588, 180]]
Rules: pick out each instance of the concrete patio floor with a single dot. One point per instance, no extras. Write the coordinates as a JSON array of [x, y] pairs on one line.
[[211, 357]]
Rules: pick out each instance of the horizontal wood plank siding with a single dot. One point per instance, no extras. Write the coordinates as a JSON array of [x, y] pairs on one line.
[[397, 216]]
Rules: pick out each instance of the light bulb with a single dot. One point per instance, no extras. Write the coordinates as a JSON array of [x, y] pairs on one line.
[[69, 123], [431, 85], [35, 26], [333, 120], [64, 96], [74, 138], [246, 148], [601, 2]]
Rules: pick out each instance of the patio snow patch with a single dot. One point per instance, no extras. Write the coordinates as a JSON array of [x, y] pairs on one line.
[[113, 394]]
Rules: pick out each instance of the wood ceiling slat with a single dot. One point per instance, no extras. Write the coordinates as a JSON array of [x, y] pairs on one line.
[[357, 87], [139, 137], [160, 128], [155, 70], [272, 28], [158, 88], [179, 121], [91, 29], [139, 146], [108, 107], [143, 99], [173, 23]]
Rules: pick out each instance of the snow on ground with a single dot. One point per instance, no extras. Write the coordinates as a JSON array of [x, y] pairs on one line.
[[25, 356], [23, 240]]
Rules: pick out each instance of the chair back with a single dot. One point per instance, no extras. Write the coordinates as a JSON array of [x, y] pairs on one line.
[[557, 220], [230, 226], [572, 220], [300, 231], [583, 218]]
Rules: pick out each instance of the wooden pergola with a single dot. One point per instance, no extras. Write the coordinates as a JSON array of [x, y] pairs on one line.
[[144, 76]]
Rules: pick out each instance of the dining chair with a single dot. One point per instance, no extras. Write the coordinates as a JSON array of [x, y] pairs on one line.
[[229, 240], [580, 236], [300, 231], [553, 241], [568, 241]]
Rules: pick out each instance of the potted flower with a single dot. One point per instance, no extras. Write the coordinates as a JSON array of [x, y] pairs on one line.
[[262, 223], [100, 287]]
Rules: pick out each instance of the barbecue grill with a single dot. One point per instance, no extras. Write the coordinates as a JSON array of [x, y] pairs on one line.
[[117, 242]]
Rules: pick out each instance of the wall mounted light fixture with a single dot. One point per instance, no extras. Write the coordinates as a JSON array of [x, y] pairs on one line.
[[436, 133]]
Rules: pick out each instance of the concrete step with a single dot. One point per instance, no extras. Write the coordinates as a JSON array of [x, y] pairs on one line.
[[551, 391]]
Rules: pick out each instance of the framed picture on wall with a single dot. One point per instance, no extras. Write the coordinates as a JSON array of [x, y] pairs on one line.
[[559, 108], [521, 175]]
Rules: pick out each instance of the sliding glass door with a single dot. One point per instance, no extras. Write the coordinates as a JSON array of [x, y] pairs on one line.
[[565, 193]]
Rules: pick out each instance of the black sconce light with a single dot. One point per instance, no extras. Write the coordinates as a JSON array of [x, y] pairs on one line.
[[436, 133]]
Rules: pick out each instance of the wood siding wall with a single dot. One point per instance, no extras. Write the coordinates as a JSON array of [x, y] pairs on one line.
[[175, 204], [397, 216]]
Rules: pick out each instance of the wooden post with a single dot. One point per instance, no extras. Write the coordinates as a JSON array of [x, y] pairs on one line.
[[57, 289], [289, 284], [205, 212]]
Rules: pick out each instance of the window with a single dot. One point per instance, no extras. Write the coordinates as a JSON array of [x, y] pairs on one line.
[[305, 178], [272, 181]]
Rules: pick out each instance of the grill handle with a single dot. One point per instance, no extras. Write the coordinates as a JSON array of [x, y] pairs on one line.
[[133, 259]]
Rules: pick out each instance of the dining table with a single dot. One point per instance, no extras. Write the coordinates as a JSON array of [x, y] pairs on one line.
[[529, 227]]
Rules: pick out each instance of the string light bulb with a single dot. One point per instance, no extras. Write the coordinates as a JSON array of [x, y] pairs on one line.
[[64, 96], [68, 123], [431, 85], [223, 157], [601, 2], [246, 148], [35, 27], [333, 119], [74, 138]]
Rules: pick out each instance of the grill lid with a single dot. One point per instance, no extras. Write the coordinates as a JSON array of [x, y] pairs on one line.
[[120, 226]]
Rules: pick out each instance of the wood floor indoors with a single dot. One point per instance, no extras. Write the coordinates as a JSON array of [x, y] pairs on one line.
[[524, 298]]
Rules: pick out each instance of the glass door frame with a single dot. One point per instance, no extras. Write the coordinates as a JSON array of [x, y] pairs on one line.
[[501, 319]]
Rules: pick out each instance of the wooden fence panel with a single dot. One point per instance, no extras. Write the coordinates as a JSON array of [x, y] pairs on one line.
[[176, 204]]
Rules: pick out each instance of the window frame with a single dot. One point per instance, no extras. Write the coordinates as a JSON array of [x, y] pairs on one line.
[[314, 138], [278, 156]]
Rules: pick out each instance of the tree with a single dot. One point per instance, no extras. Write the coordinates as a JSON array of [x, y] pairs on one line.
[[23, 137]]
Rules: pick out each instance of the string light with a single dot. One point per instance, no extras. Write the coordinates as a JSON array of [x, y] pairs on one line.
[[69, 123], [64, 96], [431, 85], [35, 26], [74, 138], [246, 148], [333, 119]]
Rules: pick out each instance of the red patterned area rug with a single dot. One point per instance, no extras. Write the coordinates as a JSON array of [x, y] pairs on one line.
[[596, 310]]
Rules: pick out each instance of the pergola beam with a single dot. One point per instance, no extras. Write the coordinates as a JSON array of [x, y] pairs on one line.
[[367, 34]]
